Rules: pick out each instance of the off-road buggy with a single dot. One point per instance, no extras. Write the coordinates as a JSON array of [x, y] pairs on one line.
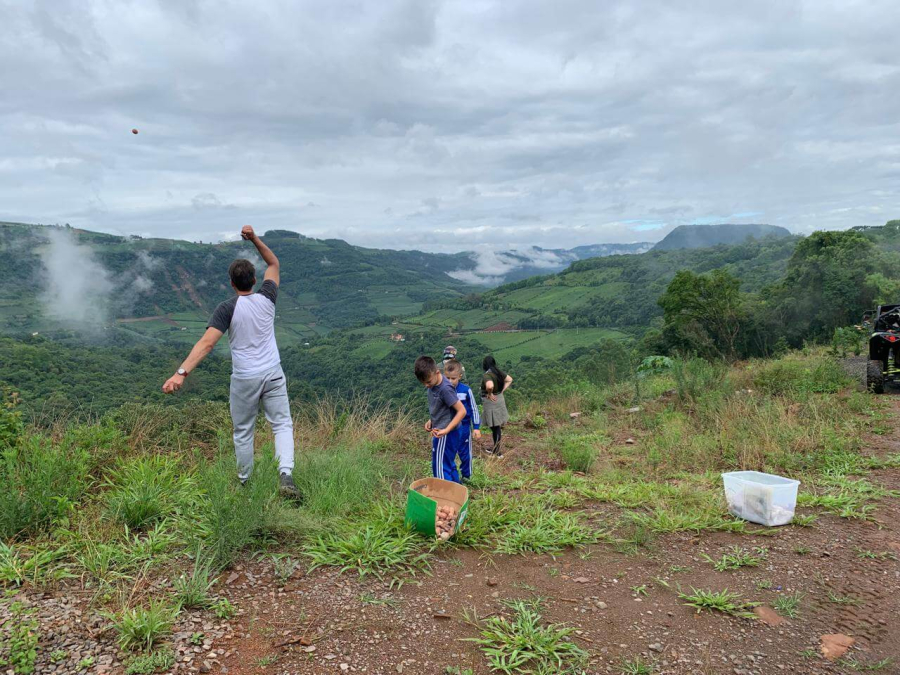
[[884, 348]]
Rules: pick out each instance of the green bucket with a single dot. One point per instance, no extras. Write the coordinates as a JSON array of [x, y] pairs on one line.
[[424, 498]]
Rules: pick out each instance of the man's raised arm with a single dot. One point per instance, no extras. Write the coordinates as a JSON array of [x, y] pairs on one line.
[[200, 351], [273, 271]]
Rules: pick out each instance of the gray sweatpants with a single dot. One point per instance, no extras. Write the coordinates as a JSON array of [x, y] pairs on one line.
[[270, 388]]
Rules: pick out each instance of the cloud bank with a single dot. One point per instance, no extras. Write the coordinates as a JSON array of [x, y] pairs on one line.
[[448, 126]]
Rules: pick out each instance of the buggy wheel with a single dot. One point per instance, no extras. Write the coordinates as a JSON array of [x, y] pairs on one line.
[[875, 377]]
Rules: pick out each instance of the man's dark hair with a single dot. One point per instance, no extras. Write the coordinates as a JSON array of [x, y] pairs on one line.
[[425, 368], [243, 274]]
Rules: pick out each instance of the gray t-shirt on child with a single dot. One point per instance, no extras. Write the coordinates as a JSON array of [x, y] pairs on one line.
[[441, 400]]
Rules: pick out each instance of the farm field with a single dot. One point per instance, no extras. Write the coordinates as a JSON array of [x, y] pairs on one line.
[[511, 347]]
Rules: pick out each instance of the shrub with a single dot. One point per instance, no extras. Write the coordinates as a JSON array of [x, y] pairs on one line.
[[39, 485], [578, 452]]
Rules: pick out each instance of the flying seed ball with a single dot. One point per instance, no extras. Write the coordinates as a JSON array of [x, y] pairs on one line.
[[134, 131]]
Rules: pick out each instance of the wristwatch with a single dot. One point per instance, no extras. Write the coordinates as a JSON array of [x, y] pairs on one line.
[[182, 372]]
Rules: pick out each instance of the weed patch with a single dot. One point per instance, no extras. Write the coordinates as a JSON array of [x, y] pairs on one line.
[[380, 546], [521, 643], [141, 628], [718, 601], [40, 483]]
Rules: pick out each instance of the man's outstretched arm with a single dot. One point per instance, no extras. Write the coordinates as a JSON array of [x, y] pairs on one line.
[[273, 271], [200, 351]]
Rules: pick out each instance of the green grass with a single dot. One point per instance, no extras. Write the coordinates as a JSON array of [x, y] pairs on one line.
[[379, 546], [855, 664], [18, 650], [736, 558], [718, 601], [578, 453], [523, 643], [636, 666], [143, 627], [788, 605], [36, 566], [849, 600], [41, 484], [875, 555], [341, 481], [232, 516], [145, 490], [192, 591], [146, 664]]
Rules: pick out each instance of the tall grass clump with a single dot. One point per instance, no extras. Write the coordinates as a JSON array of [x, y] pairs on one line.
[[578, 453], [698, 380], [143, 627], [231, 515], [152, 427], [39, 485], [192, 590], [144, 490], [341, 481], [329, 421]]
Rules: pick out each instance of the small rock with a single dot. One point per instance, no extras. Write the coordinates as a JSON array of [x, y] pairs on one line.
[[635, 409], [345, 667], [629, 441], [835, 645], [656, 647], [574, 415], [492, 582], [581, 580], [768, 616], [601, 605], [205, 667]]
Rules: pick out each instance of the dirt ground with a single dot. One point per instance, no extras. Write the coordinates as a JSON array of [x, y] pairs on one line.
[[325, 622]]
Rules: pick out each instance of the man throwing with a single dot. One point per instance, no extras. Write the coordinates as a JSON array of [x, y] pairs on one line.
[[256, 374]]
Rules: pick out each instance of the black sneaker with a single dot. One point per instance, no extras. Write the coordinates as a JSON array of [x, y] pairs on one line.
[[287, 488]]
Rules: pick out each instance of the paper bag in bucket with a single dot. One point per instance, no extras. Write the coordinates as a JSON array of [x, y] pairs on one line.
[[424, 498]]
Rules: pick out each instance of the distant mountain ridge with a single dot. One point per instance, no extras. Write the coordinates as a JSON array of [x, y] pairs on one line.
[[706, 236]]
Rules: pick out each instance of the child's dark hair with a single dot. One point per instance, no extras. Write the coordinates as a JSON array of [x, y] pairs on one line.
[[452, 368], [425, 368]]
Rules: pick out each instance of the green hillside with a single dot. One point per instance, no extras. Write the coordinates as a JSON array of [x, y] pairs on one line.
[[610, 292], [161, 289]]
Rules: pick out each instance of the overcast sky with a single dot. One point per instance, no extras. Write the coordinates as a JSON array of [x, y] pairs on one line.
[[448, 125]]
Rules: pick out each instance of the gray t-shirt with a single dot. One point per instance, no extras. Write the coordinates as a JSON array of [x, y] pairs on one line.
[[249, 321], [441, 400]]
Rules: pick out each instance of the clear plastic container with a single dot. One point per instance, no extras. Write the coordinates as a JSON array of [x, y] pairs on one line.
[[761, 497]]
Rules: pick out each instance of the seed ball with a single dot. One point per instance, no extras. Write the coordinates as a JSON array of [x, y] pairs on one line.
[[445, 536]]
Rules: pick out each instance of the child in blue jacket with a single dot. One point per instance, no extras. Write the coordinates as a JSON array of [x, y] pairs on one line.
[[453, 371]]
